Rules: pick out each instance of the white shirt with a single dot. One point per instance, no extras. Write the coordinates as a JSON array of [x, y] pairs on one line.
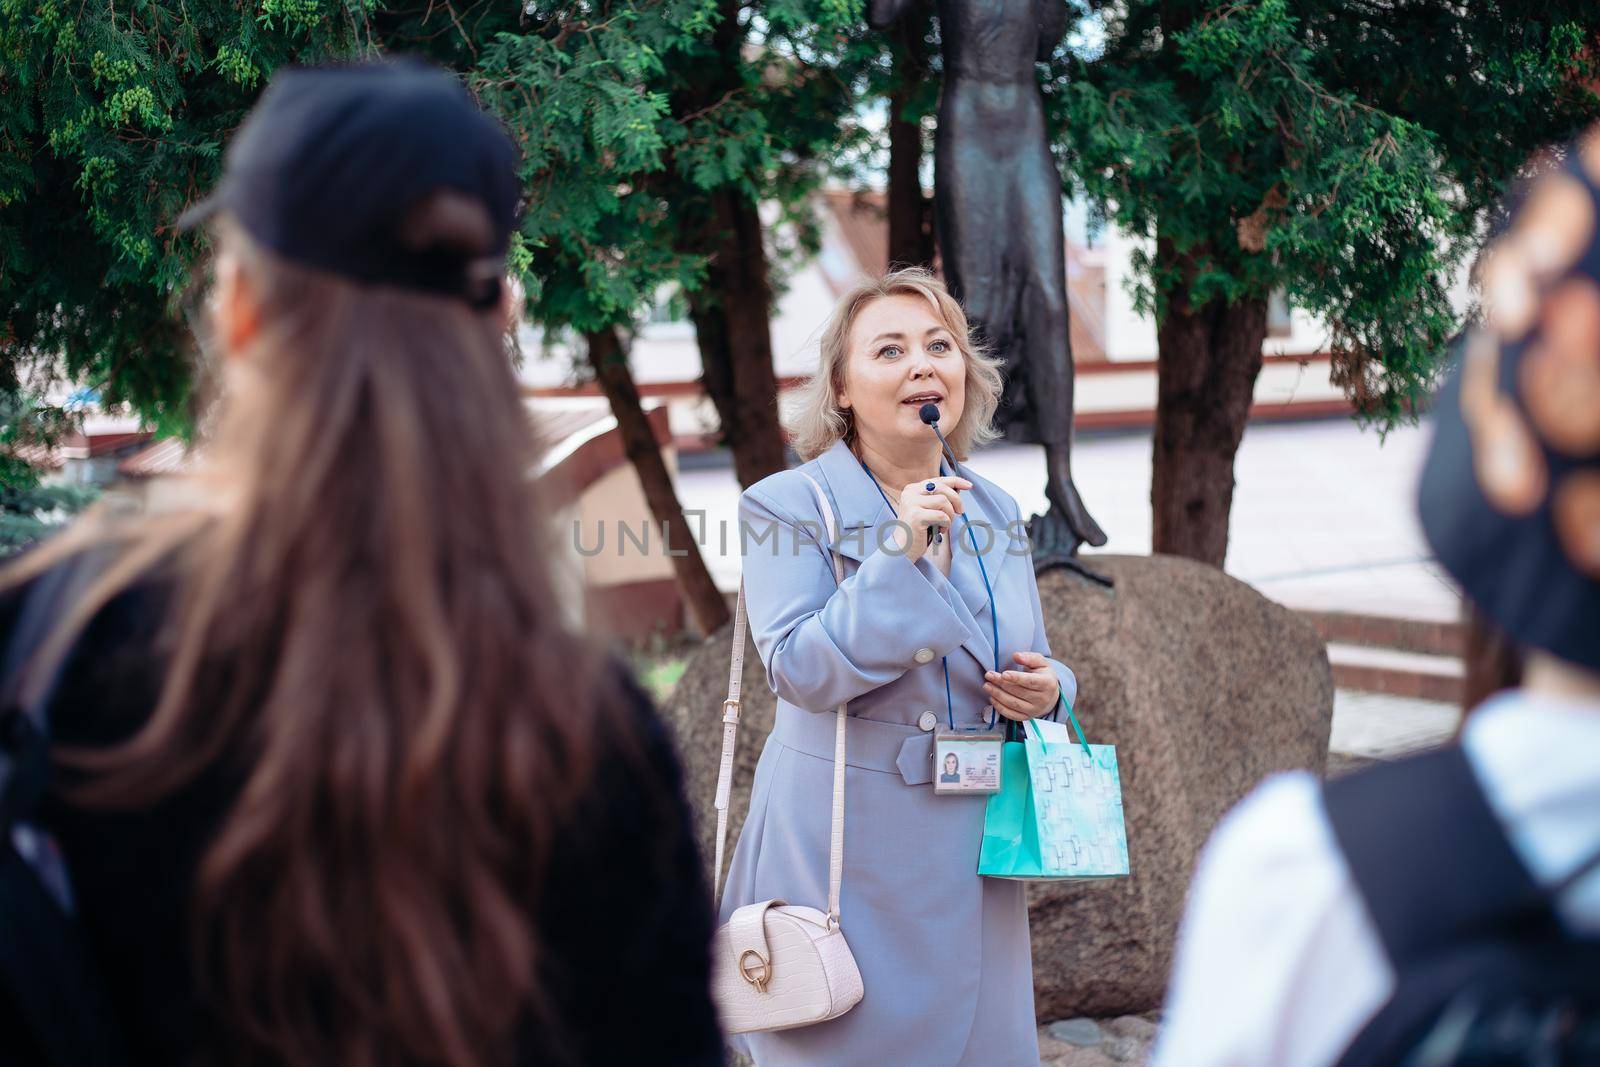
[[1277, 963]]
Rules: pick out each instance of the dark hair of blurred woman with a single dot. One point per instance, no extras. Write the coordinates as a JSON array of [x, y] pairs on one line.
[[361, 641]]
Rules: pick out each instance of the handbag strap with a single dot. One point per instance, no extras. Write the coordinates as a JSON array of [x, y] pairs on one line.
[[730, 731], [730, 738], [836, 838]]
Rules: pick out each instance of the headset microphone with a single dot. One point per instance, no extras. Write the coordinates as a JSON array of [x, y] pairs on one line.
[[929, 413]]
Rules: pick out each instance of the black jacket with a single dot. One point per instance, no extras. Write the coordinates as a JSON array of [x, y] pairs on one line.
[[624, 921]]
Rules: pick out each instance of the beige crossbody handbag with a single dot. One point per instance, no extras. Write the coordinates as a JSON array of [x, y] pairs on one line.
[[776, 966]]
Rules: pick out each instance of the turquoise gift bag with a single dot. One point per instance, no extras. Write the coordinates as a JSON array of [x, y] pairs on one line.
[[1059, 810]]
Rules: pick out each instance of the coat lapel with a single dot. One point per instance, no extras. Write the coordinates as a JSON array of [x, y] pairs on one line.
[[967, 578], [856, 501], [862, 513]]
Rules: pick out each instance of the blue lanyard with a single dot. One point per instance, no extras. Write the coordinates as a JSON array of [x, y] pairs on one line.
[[994, 621]]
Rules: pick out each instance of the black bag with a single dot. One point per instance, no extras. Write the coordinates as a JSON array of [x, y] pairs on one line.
[[53, 1005], [1484, 972]]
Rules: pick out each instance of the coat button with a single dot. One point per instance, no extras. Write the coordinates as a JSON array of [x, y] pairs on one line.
[[927, 721], [923, 655]]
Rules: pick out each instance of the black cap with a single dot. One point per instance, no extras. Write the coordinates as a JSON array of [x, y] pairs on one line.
[[1510, 493], [329, 161]]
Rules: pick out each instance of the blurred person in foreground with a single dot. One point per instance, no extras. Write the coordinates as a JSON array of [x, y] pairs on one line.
[[1445, 908], [333, 785]]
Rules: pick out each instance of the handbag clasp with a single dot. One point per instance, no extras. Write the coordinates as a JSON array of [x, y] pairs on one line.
[[758, 975]]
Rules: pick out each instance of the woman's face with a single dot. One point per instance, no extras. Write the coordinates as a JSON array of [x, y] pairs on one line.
[[950, 763], [900, 356]]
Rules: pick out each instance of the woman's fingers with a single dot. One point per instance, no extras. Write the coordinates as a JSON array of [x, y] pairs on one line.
[[941, 499], [1022, 681], [1030, 693], [929, 504], [1037, 684], [948, 492], [1031, 660], [1013, 715], [946, 487], [1002, 699], [925, 511]]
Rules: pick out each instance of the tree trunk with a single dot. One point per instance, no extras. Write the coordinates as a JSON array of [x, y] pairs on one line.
[[1208, 361], [732, 309], [911, 241], [707, 608], [732, 323]]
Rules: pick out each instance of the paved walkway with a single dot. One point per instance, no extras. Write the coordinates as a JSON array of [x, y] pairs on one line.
[[1378, 726], [1323, 513]]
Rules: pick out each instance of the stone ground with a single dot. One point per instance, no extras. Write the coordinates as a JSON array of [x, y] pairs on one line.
[[1097, 1042]]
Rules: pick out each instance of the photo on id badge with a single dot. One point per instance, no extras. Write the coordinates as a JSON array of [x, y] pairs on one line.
[[966, 762]]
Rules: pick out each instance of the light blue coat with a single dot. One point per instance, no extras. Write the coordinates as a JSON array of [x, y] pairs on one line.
[[944, 954]]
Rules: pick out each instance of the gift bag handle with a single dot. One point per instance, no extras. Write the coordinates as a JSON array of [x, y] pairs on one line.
[[1075, 725]]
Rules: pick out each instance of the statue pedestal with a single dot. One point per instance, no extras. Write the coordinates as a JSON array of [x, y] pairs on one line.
[[1204, 686]]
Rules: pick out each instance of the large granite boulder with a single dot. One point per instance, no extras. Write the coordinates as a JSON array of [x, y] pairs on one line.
[[694, 714], [1204, 686]]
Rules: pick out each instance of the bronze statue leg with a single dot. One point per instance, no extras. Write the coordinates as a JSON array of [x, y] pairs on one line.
[[1066, 524], [969, 219], [1000, 238]]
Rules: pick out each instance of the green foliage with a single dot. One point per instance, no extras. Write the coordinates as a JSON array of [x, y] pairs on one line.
[[1345, 152], [901, 62], [112, 120], [659, 667], [619, 150], [590, 124], [31, 511], [28, 426]]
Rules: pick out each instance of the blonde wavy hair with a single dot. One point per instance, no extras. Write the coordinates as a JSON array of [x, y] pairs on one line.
[[816, 420]]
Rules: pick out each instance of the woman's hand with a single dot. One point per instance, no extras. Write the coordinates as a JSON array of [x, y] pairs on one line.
[[1024, 694], [923, 509]]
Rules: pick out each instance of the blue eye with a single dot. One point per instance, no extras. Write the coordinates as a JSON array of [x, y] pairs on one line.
[[939, 346], [885, 351]]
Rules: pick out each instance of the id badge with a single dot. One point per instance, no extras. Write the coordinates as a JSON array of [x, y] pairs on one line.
[[966, 762]]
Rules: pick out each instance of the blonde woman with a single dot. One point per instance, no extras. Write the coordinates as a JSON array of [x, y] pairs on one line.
[[936, 625]]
